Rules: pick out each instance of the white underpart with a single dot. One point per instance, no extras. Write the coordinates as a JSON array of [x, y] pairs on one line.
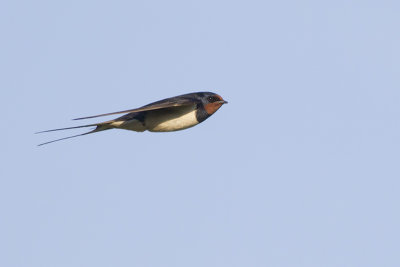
[[163, 120], [174, 119]]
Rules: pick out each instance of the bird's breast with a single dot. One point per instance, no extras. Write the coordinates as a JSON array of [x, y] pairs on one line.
[[171, 119]]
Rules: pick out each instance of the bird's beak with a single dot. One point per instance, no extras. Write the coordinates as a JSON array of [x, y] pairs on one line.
[[223, 102]]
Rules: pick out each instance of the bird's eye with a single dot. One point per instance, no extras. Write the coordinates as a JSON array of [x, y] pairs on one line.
[[211, 99]]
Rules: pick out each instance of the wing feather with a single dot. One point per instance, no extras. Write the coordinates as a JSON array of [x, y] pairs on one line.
[[166, 103]]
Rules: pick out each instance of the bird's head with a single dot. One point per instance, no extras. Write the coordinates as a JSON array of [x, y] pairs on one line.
[[212, 102]]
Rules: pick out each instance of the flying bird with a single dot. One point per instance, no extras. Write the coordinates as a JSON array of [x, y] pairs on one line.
[[167, 115]]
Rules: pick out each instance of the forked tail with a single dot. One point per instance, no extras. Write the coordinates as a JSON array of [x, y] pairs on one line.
[[99, 127]]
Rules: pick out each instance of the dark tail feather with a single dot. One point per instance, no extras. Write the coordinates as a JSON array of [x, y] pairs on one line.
[[63, 139], [99, 127], [68, 128]]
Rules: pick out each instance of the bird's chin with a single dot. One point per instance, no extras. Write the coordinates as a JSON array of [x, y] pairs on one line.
[[212, 107]]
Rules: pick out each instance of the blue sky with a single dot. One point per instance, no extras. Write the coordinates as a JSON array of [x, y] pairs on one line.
[[301, 168]]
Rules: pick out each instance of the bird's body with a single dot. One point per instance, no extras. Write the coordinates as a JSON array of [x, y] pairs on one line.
[[163, 120], [167, 115]]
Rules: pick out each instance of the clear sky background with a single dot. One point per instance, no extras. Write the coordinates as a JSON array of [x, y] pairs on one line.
[[301, 168]]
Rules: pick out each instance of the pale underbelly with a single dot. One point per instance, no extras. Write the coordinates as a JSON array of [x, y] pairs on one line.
[[171, 120], [165, 120]]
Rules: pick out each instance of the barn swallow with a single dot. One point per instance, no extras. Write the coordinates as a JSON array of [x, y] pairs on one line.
[[167, 115]]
